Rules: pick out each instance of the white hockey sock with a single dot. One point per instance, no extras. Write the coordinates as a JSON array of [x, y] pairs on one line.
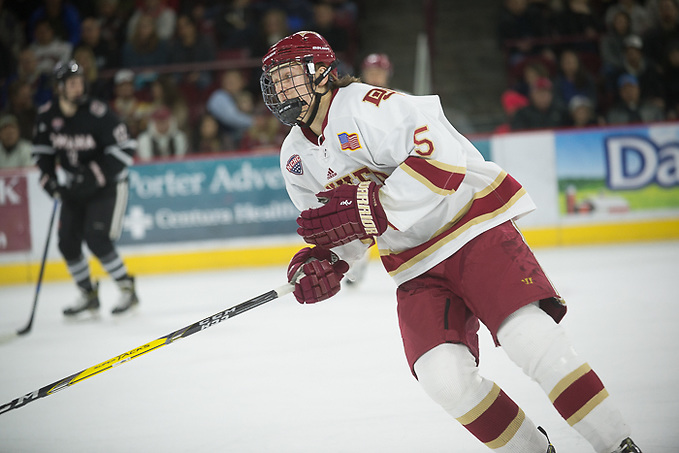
[[449, 375], [541, 348]]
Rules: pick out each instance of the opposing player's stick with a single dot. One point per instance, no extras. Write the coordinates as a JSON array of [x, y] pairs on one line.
[[27, 329], [148, 347]]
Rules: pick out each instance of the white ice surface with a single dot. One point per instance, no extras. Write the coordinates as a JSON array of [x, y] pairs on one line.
[[330, 377]]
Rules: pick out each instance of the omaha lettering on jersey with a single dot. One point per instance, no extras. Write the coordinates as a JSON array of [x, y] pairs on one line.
[[78, 142]]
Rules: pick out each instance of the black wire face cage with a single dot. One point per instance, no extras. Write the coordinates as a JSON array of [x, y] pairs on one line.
[[291, 108]]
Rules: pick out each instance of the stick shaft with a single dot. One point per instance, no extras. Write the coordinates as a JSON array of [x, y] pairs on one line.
[[146, 348], [27, 329]]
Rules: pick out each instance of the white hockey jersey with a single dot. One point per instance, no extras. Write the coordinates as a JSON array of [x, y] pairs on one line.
[[437, 190]]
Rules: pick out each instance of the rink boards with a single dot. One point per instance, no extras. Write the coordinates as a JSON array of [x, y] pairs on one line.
[[591, 186]]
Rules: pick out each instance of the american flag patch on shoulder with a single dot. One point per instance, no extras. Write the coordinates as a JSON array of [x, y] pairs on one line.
[[349, 141]]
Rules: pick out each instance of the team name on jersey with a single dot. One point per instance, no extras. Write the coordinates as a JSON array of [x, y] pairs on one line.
[[377, 95], [78, 142], [357, 176]]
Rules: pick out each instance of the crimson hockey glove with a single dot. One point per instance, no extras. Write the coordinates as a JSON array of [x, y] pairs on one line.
[[51, 186], [321, 272], [351, 212]]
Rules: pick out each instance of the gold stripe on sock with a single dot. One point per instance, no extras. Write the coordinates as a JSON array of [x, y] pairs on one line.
[[568, 380], [482, 407], [508, 433], [587, 408]]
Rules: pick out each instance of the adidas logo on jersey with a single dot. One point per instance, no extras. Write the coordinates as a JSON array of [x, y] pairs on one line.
[[331, 174]]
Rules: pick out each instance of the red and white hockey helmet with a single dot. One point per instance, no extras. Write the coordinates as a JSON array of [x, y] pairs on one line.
[[308, 49], [303, 47]]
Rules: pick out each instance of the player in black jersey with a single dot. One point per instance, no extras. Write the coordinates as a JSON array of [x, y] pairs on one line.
[[93, 147]]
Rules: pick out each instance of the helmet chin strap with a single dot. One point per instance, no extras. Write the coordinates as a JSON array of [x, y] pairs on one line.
[[316, 101]]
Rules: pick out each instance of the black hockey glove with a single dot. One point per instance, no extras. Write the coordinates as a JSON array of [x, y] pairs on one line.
[[87, 180], [51, 186]]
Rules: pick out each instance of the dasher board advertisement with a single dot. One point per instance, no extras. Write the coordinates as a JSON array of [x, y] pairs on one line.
[[620, 173], [207, 199]]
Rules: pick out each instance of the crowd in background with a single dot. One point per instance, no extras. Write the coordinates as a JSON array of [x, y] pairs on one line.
[[150, 60], [578, 63], [570, 63]]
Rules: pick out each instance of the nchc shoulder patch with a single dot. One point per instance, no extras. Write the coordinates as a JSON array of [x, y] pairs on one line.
[[294, 165], [349, 141]]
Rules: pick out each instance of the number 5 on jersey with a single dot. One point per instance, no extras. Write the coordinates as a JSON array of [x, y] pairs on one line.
[[423, 146]]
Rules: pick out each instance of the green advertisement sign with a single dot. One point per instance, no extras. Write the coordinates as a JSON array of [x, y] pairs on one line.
[[618, 171]]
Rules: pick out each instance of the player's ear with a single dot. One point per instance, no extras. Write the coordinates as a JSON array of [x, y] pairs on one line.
[[323, 81]]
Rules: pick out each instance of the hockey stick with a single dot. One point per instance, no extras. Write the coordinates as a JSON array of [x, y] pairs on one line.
[[148, 347], [27, 329]]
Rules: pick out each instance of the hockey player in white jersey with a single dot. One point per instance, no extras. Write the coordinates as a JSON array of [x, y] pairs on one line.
[[370, 165]]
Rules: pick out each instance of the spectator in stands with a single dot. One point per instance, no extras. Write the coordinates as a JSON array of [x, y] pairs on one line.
[[48, 49], [165, 93], [631, 108], [519, 24], [223, 104], [376, 69], [511, 102], [63, 17], [209, 137], [578, 19], [164, 18], [273, 26], [346, 12], [581, 112], [145, 48], [659, 38], [97, 87], [125, 104], [542, 112], [189, 46], [112, 18], [27, 71], [22, 107], [202, 12], [612, 44], [324, 23], [15, 151], [236, 24], [671, 76], [162, 138], [647, 75], [531, 71], [299, 13], [639, 18], [573, 79], [106, 55], [265, 132], [12, 33]]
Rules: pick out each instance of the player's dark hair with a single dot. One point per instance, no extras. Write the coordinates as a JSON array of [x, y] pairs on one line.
[[340, 82], [343, 81]]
